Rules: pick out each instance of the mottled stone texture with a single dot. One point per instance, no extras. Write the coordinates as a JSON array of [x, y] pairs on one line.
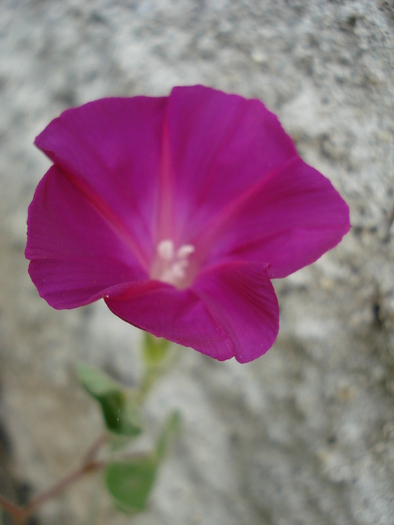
[[303, 436]]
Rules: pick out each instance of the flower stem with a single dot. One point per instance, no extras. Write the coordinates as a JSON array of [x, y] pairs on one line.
[[14, 511], [88, 465]]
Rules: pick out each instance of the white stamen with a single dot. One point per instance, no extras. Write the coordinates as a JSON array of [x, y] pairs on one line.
[[185, 250], [166, 249], [174, 264], [178, 270]]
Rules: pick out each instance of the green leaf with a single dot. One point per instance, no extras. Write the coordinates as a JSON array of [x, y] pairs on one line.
[[130, 483], [155, 350], [95, 382], [118, 406]]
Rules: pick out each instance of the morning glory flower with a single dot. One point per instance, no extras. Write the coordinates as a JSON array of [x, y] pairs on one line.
[[178, 211]]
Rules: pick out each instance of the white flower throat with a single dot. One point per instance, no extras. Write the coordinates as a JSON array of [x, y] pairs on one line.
[[173, 264]]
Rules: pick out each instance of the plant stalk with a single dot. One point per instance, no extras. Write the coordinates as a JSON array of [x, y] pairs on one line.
[[88, 465]]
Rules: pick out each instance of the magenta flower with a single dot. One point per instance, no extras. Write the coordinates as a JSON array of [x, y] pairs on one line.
[[178, 211]]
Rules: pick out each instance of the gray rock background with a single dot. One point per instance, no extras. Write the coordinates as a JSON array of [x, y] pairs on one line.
[[304, 435]]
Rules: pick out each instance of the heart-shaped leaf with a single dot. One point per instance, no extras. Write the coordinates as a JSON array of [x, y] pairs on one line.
[[118, 406]]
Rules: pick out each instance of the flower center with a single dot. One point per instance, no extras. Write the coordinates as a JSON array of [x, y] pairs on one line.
[[171, 266]]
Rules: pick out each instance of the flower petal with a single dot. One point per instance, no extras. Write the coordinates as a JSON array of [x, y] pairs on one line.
[[231, 310], [176, 315], [241, 298], [287, 221], [111, 149], [75, 253], [220, 145]]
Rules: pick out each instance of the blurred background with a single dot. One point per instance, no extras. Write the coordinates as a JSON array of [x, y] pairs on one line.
[[304, 435]]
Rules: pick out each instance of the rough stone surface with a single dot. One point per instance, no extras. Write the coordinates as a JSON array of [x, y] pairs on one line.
[[305, 435]]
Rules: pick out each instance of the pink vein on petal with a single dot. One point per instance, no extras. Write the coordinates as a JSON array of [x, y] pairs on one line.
[[206, 238], [164, 208], [111, 218], [102, 206], [210, 179]]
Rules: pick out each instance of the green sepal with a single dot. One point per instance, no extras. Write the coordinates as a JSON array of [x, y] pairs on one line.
[[118, 406], [155, 350]]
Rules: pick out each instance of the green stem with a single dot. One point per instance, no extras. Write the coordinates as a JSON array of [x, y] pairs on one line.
[[154, 369]]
